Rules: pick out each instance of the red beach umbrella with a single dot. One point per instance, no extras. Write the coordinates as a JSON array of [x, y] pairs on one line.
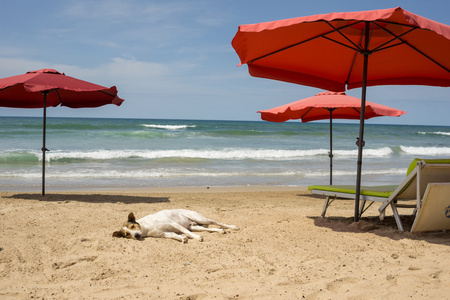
[[47, 87], [327, 105], [350, 49]]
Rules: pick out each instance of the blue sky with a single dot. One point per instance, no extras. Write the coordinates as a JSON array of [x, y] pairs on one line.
[[174, 60]]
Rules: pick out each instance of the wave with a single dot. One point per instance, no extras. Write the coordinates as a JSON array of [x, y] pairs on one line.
[[223, 154], [168, 127], [19, 157], [432, 151], [172, 173], [435, 133], [379, 152], [337, 173], [184, 154]]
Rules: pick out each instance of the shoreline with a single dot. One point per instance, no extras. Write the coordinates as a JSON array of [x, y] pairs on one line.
[[168, 189]]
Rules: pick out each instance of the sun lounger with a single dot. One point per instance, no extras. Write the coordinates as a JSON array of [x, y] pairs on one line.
[[410, 193], [367, 193]]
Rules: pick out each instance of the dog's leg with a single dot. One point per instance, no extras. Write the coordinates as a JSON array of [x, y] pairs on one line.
[[202, 220], [195, 227], [173, 235], [206, 221], [234, 227], [186, 232]]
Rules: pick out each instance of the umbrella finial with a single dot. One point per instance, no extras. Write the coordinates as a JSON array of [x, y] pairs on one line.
[[50, 71], [331, 93]]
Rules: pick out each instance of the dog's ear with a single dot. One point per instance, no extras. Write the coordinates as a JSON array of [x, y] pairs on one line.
[[117, 234], [131, 218]]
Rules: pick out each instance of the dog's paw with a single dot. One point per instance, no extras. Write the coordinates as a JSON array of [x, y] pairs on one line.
[[184, 239], [234, 227]]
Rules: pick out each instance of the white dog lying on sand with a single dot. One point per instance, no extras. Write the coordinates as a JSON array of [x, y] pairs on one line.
[[168, 224]]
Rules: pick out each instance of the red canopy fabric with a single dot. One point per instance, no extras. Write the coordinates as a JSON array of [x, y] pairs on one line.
[[318, 108], [25, 91], [321, 50]]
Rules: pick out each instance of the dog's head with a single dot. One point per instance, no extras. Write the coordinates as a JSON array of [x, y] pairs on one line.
[[130, 229]]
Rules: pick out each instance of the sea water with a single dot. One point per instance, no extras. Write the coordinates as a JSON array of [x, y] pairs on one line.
[[87, 153]]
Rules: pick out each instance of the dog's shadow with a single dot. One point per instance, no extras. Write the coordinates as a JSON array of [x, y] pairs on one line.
[[91, 198]]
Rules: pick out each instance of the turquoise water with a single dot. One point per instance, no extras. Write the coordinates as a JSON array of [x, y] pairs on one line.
[[105, 153]]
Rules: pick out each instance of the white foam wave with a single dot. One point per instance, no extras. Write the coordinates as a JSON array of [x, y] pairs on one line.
[[435, 133], [379, 152], [226, 154], [172, 173], [168, 127], [426, 150], [222, 154], [337, 173]]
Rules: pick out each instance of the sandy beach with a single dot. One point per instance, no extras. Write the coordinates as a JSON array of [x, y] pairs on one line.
[[60, 247]]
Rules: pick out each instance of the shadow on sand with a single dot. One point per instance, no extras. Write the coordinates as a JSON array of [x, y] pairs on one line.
[[91, 198], [385, 228]]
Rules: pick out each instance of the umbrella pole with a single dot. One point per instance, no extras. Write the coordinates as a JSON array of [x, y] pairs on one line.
[[361, 122], [43, 141], [331, 146]]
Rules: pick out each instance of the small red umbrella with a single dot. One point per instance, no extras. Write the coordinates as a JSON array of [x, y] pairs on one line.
[[328, 105], [349, 49], [47, 87]]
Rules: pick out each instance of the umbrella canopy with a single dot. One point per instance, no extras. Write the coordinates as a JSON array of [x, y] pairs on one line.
[[48, 87], [352, 49], [327, 105], [324, 51], [25, 91]]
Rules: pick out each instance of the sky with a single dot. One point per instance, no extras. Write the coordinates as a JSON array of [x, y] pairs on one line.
[[174, 59]]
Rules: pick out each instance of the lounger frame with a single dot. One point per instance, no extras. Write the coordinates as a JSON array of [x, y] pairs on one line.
[[409, 194]]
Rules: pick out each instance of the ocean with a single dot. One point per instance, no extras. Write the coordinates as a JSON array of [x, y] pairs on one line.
[[89, 153]]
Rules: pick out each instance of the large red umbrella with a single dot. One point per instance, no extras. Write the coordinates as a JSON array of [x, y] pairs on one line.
[[327, 105], [47, 87], [352, 49]]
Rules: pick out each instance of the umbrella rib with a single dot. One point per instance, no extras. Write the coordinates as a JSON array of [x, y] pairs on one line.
[[338, 30], [425, 55], [342, 44], [395, 37], [1, 90], [308, 40], [355, 109], [107, 93], [306, 112], [284, 48], [57, 94], [402, 41], [353, 61]]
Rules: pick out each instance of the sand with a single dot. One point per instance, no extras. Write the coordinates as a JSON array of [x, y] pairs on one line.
[[60, 247]]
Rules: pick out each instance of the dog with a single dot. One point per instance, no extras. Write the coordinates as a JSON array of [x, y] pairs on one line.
[[168, 224]]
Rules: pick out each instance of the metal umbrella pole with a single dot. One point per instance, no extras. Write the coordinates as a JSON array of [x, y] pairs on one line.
[[44, 149], [330, 154], [366, 54]]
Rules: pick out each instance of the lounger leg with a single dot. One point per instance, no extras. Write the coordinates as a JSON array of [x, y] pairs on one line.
[[397, 217], [361, 210], [325, 205]]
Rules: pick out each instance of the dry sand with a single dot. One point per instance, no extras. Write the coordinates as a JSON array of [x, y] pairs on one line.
[[60, 247]]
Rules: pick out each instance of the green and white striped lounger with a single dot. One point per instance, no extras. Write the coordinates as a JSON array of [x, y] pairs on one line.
[[408, 194]]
